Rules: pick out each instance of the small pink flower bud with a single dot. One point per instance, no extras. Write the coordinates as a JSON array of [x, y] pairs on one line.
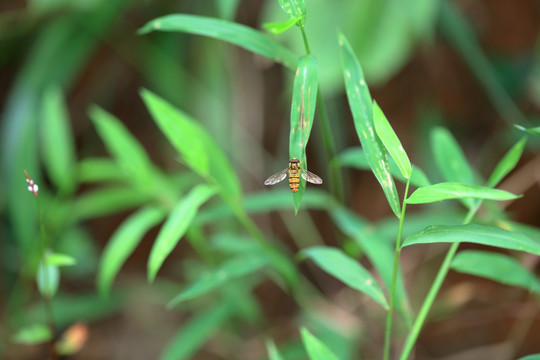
[[32, 187]]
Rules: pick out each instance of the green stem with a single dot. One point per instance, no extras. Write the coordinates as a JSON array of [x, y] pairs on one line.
[[397, 254], [433, 291], [336, 181]]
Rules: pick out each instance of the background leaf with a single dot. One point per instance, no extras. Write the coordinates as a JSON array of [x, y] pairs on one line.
[[449, 190], [473, 233], [48, 279], [362, 110], [507, 163], [497, 267], [315, 348], [234, 33], [32, 334], [347, 270], [295, 9]]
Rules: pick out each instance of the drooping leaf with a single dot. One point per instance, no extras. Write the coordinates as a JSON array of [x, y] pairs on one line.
[[347, 270], [507, 163], [123, 242], [240, 35], [448, 190], [192, 335], [302, 113], [315, 348], [176, 226], [228, 271], [391, 141], [497, 267], [361, 107], [474, 233], [58, 148]]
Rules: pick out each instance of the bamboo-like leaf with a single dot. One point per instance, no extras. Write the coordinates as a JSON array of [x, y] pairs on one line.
[[241, 35], [176, 226], [391, 141], [362, 110], [497, 267], [123, 242], [196, 148], [507, 163], [193, 334], [232, 269], [295, 9], [48, 279], [315, 348], [273, 352], [532, 356], [473, 233], [302, 113], [129, 154], [534, 130], [449, 190], [281, 26], [58, 148], [59, 259], [347, 270]]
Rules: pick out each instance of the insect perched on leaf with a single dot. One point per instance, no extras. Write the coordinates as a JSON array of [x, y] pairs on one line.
[[294, 170]]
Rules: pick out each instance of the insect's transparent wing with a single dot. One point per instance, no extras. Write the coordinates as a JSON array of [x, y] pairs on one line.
[[274, 179], [311, 177]]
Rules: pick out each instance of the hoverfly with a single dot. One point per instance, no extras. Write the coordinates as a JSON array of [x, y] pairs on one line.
[[294, 170]]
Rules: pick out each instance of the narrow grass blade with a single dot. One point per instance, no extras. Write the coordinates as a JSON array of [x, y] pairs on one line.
[[391, 141], [273, 352], [58, 149], [473, 233], [32, 335], [123, 242], [176, 226], [232, 269], [449, 190], [98, 170], [58, 259], [195, 146], [347, 270], [507, 163], [281, 26], [240, 35], [129, 154], [196, 332], [315, 348], [533, 131], [497, 267], [380, 253], [302, 112], [361, 107], [48, 279], [295, 9]]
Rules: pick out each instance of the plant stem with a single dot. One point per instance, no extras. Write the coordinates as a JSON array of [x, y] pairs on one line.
[[433, 291], [397, 254], [336, 181]]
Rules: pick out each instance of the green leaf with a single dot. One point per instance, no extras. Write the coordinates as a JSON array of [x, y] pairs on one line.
[[231, 269], [129, 154], [240, 35], [450, 160], [32, 334], [380, 253], [197, 149], [354, 157], [362, 111], [507, 163], [58, 148], [281, 26], [59, 259], [176, 226], [273, 352], [123, 242], [534, 130], [391, 141], [315, 348], [193, 334], [98, 170], [449, 190], [48, 279], [497, 267], [532, 356], [302, 113], [295, 9], [347, 270], [473, 233]]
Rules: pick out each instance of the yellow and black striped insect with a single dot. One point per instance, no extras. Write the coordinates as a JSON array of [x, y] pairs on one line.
[[294, 170]]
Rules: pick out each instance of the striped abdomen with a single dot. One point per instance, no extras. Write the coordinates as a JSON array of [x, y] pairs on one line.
[[294, 175]]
